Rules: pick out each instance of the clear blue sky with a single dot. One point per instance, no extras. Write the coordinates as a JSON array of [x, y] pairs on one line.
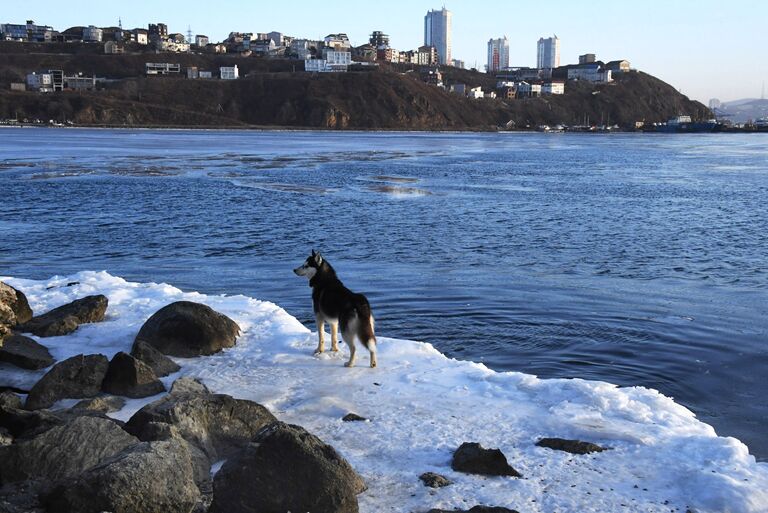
[[705, 48]]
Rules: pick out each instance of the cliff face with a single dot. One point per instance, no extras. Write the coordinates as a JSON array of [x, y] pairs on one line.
[[273, 95]]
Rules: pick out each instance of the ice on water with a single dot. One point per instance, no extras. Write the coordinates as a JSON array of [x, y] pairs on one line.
[[422, 405]]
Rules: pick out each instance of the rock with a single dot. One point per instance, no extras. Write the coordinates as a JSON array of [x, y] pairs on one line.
[[286, 469], [101, 404], [475, 509], [22, 423], [130, 377], [25, 352], [433, 480], [9, 400], [64, 450], [353, 417], [474, 459], [65, 319], [20, 497], [217, 424], [77, 377], [185, 385], [161, 364], [149, 477], [14, 307], [572, 446], [189, 329], [5, 437]]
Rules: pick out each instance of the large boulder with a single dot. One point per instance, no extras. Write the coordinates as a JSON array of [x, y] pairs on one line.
[[130, 377], [65, 319], [161, 364], [14, 307], [64, 450], [188, 329], [219, 425], [286, 468], [100, 404], [25, 352], [472, 458], [149, 477], [77, 377], [21, 423]]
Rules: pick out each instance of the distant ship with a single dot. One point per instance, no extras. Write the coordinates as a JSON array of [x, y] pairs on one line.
[[684, 125]]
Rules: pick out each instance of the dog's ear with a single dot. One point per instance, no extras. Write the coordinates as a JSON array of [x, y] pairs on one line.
[[318, 258], [313, 253]]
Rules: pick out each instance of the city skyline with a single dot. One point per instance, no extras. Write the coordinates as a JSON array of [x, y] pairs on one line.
[[691, 47]]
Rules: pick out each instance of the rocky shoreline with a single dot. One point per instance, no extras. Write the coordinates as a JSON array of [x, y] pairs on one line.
[[78, 459]]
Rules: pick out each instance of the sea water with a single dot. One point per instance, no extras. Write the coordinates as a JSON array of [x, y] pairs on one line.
[[630, 259]]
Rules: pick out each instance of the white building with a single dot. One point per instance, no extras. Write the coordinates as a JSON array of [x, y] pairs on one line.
[[229, 72], [590, 73], [553, 88], [92, 34], [201, 41], [525, 89], [338, 42], [141, 36], [162, 68], [437, 33], [548, 53], [498, 54], [41, 82], [476, 93], [335, 61]]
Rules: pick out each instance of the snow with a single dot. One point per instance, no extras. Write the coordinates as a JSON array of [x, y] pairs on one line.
[[423, 405]]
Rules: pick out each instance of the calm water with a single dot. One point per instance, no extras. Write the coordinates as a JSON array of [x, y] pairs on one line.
[[634, 259]]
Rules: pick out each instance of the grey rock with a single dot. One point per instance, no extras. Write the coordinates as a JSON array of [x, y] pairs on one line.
[[130, 377], [21, 423], [65, 319], [286, 468], [149, 477], [20, 497], [185, 385], [219, 425], [189, 329], [474, 459], [101, 404], [76, 378], [433, 480], [64, 450], [5, 437], [14, 307], [571, 446], [9, 400], [161, 364], [353, 417], [25, 352]]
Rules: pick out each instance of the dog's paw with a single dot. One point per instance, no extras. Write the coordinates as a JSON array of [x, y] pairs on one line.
[[349, 364], [318, 352], [373, 365]]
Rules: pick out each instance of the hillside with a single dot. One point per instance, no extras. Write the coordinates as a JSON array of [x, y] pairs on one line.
[[273, 94]]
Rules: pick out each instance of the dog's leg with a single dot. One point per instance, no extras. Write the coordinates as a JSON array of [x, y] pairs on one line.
[[320, 335], [371, 345], [350, 340], [334, 337]]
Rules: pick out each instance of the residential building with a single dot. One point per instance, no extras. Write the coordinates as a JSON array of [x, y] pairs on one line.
[[408, 57], [80, 82], [456, 63], [304, 48], [11, 32], [140, 36], [334, 61], [508, 92], [18, 86], [587, 58], [277, 38], [113, 47], [46, 82], [39, 33], [528, 90], [337, 42], [173, 46], [490, 95], [379, 39], [593, 72], [516, 74], [458, 89], [427, 56], [205, 74], [162, 68], [229, 72], [498, 54], [432, 76], [476, 93], [201, 41], [548, 88], [621, 66], [157, 32], [263, 46], [387, 54], [437, 33], [548, 53]]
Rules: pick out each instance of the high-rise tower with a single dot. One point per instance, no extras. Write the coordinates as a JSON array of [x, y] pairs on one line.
[[498, 54], [437, 33], [548, 53]]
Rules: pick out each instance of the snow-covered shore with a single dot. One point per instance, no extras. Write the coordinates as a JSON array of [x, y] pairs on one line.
[[423, 405]]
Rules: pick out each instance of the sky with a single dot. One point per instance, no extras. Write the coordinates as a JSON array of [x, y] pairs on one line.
[[705, 48]]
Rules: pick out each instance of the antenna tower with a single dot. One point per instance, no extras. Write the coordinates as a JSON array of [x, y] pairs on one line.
[[189, 33]]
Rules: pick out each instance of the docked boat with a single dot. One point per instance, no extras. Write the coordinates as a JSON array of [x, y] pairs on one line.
[[685, 125]]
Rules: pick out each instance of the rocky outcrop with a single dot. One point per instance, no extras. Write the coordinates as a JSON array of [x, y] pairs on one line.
[[77, 377], [186, 385], [433, 480], [64, 450], [571, 446], [21, 423], [161, 364], [130, 377], [472, 458], [14, 310], [286, 469], [101, 404], [65, 319], [219, 425], [25, 352], [188, 329], [149, 477]]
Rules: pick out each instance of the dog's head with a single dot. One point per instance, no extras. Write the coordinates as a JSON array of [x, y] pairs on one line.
[[310, 266]]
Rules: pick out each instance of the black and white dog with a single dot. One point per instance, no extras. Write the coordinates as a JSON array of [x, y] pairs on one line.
[[340, 307]]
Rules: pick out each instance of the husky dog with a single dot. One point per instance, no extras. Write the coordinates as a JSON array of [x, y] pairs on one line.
[[340, 307]]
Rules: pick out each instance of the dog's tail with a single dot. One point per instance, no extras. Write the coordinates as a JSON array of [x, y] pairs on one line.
[[365, 332]]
